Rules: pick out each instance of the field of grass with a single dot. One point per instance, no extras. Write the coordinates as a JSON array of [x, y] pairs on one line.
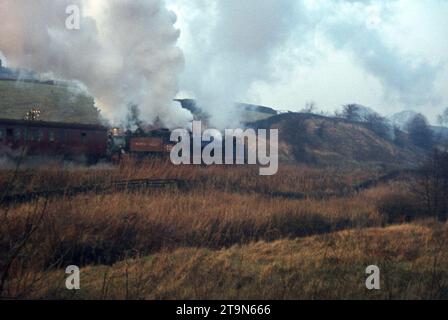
[[56, 103], [412, 258], [229, 234]]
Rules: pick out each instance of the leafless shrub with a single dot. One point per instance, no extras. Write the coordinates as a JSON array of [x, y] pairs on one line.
[[431, 187], [399, 208]]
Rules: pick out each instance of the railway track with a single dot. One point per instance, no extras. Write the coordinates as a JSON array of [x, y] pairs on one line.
[[116, 186], [146, 184]]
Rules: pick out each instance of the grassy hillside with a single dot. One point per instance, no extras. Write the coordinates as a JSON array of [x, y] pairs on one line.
[[412, 258], [321, 140], [56, 103]]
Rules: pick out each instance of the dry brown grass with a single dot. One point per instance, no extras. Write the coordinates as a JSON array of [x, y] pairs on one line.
[[104, 229], [205, 231], [411, 258], [290, 178]]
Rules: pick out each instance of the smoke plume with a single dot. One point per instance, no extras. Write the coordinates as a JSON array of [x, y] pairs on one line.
[[348, 27], [232, 45], [124, 52], [391, 55]]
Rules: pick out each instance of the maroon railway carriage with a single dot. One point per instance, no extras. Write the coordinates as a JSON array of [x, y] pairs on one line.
[[54, 139]]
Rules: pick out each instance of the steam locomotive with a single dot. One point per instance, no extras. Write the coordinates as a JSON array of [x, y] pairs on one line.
[[79, 142], [139, 144]]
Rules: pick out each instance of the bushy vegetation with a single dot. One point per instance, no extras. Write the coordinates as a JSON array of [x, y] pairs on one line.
[[431, 186], [420, 133], [399, 207]]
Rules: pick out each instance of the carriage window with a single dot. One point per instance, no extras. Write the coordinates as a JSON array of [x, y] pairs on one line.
[[62, 136], [51, 136], [9, 132], [1, 134], [17, 134], [83, 137], [36, 135], [27, 134], [33, 135]]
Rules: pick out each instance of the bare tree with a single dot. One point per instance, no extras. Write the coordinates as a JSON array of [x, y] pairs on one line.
[[420, 132], [378, 124], [442, 136], [431, 187], [442, 119], [310, 107], [133, 120], [351, 112]]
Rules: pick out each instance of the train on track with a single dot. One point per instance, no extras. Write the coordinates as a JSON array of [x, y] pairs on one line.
[[79, 142], [139, 144]]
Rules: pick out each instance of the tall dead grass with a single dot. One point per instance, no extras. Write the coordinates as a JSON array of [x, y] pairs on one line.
[[106, 228], [225, 207], [290, 178], [411, 258]]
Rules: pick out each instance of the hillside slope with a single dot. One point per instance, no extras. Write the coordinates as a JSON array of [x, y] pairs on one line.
[[56, 103], [314, 139], [324, 267]]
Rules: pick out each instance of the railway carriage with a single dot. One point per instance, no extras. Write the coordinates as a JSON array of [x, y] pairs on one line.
[[53, 139]]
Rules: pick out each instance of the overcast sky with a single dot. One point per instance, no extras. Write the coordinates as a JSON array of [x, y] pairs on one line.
[[389, 55]]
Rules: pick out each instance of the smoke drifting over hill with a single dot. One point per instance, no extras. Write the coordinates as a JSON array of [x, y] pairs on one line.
[[241, 47], [124, 52], [232, 43], [391, 55]]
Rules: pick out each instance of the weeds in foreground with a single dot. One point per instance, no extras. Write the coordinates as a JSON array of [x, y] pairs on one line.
[[202, 242]]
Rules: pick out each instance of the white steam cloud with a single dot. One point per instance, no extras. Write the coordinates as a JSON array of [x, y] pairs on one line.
[[391, 55], [232, 43], [124, 52], [355, 26]]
